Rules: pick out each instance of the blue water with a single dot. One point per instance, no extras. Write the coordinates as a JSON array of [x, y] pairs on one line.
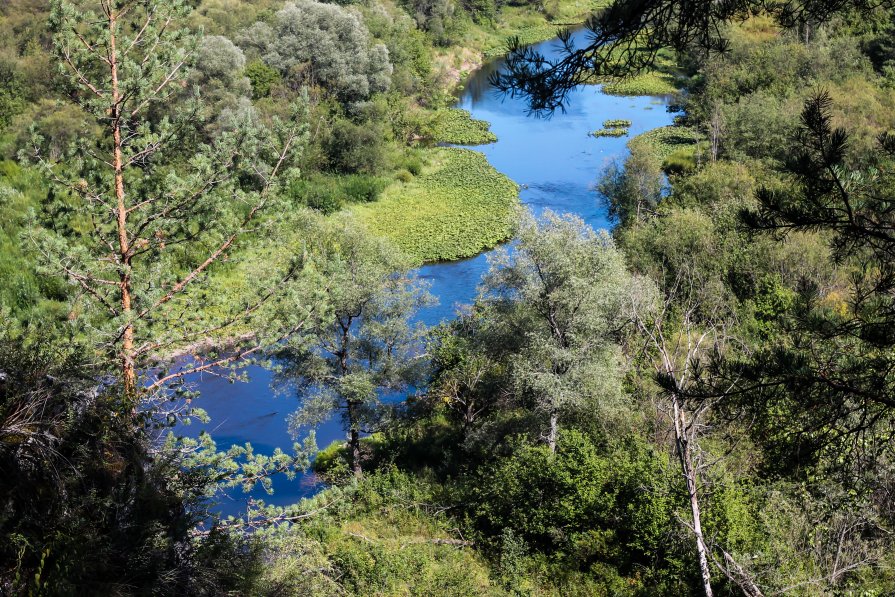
[[556, 163]]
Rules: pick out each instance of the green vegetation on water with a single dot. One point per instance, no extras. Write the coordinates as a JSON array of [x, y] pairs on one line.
[[650, 83], [456, 208], [458, 127], [613, 128], [610, 132], [666, 141], [616, 123], [526, 37]]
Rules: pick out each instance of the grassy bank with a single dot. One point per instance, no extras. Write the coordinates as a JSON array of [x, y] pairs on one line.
[[458, 206]]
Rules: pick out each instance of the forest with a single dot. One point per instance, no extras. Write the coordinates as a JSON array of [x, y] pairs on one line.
[[447, 297]]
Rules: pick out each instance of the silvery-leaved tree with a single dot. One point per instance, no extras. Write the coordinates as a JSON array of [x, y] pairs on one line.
[[560, 292], [365, 344], [152, 206]]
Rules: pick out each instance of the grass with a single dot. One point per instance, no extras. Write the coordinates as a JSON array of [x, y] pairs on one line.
[[459, 206], [457, 126]]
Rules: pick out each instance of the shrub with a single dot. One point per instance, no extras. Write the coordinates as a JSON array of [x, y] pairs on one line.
[[414, 165], [331, 40], [331, 193], [404, 175], [355, 148], [262, 78]]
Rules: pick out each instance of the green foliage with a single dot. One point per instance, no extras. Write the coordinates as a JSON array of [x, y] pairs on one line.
[[362, 344], [376, 539], [12, 93], [355, 147], [444, 20], [631, 191], [680, 160], [562, 289], [527, 36], [456, 126], [590, 510], [89, 505], [330, 194], [263, 78], [315, 43], [459, 206]]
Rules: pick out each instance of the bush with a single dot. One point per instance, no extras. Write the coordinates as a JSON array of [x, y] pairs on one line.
[[355, 148], [324, 44], [329, 194], [608, 512], [262, 78], [414, 165], [404, 175]]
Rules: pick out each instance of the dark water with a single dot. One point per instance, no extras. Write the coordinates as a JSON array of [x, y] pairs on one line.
[[554, 160]]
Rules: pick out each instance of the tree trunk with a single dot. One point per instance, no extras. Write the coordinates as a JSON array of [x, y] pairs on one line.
[[128, 371], [354, 441], [554, 431], [683, 451]]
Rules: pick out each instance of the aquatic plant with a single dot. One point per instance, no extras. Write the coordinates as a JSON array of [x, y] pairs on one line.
[[610, 132], [617, 123], [459, 206], [458, 127], [664, 141]]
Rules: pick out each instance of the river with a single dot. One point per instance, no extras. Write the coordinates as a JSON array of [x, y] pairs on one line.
[[555, 161]]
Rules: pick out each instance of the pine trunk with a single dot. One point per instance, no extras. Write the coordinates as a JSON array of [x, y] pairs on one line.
[[128, 368]]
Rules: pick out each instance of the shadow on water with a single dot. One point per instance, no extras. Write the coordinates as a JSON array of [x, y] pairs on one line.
[[556, 163]]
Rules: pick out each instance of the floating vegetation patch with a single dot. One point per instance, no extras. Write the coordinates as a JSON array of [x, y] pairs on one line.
[[610, 132], [651, 83], [459, 206], [618, 123], [674, 146], [458, 127], [527, 36]]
